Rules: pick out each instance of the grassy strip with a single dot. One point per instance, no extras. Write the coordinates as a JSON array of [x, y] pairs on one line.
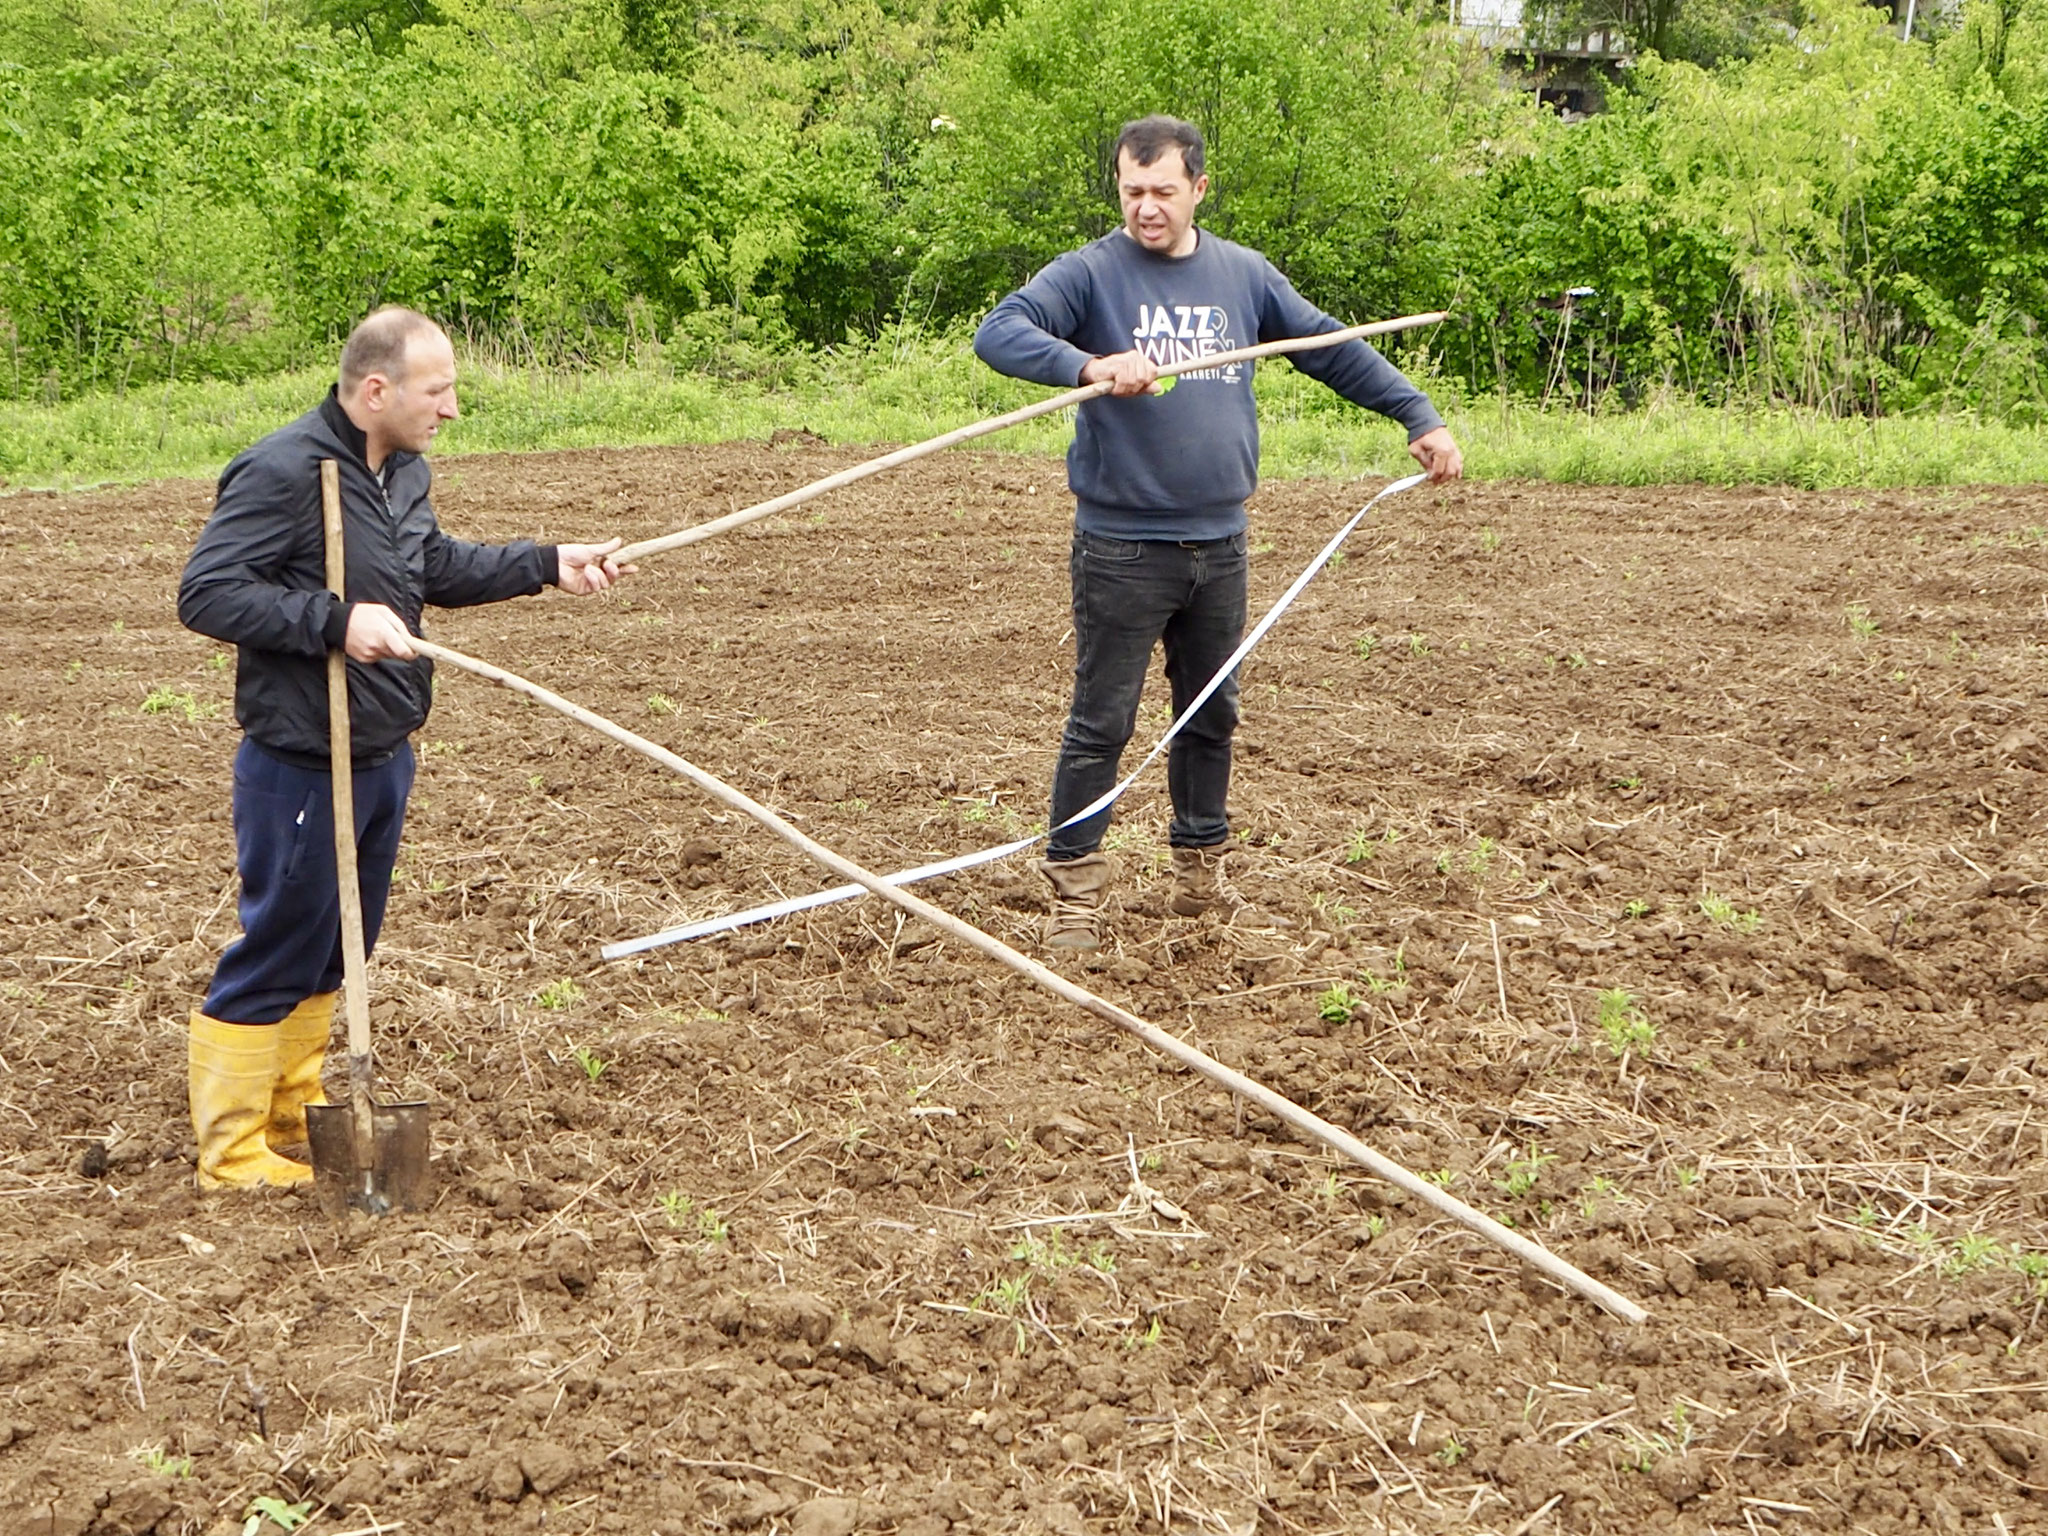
[[914, 390]]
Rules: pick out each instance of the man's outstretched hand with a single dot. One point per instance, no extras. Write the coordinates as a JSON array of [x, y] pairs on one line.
[[1437, 452], [587, 568]]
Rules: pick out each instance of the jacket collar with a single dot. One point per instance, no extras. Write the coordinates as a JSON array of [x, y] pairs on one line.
[[351, 435]]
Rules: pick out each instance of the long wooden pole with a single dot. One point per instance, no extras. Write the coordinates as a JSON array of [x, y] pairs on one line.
[[900, 456], [355, 976], [1312, 1126]]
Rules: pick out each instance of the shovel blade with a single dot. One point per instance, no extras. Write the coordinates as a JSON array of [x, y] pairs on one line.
[[397, 1178]]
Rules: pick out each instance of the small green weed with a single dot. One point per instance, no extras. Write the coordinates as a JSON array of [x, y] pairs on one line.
[[680, 1211], [1861, 624], [1629, 781], [1364, 847], [1364, 646], [1335, 1004], [1007, 1296], [161, 1462], [1333, 910], [1442, 1178], [1524, 1173], [286, 1517], [168, 701], [1624, 1023], [1149, 1338], [559, 994], [1452, 1451], [1047, 1254], [217, 662], [1396, 978], [1418, 645], [1723, 913], [1641, 1452], [593, 1065], [660, 704], [1972, 1251], [1489, 541], [1637, 908], [1476, 862]]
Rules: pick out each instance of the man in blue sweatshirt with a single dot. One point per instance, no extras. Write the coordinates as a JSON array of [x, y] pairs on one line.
[[1160, 481]]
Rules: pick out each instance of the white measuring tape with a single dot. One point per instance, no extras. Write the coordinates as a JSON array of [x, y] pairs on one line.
[[711, 925]]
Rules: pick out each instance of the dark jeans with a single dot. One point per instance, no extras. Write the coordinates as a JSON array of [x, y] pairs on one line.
[[291, 904], [1127, 597]]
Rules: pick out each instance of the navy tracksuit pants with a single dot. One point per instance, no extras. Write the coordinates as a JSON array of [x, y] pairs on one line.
[[290, 947]]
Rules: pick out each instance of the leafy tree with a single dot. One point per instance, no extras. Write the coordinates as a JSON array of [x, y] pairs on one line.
[[1829, 222], [1341, 140]]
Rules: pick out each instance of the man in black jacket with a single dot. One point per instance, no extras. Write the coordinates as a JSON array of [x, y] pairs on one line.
[[257, 579]]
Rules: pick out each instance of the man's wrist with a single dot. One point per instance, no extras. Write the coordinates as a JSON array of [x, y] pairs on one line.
[[335, 631], [550, 564]]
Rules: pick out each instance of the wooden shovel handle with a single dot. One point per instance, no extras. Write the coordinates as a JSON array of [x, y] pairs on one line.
[[355, 981]]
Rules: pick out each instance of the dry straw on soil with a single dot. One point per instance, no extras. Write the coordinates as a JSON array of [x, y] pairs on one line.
[[831, 1226]]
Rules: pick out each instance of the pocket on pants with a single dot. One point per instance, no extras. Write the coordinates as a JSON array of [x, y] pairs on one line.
[[1111, 551], [274, 830]]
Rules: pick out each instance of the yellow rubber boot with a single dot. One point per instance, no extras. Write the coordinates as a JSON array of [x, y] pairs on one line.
[[301, 1050], [231, 1070]]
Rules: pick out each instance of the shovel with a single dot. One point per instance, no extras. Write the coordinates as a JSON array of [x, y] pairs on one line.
[[369, 1156]]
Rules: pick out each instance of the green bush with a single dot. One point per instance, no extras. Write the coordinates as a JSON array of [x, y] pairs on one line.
[[1834, 220], [1839, 222]]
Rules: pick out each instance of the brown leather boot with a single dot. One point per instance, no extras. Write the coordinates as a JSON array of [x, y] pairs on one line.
[[1199, 885], [1080, 887]]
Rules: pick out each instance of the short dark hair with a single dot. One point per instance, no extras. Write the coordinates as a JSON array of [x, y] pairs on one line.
[[1150, 137], [378, 343]]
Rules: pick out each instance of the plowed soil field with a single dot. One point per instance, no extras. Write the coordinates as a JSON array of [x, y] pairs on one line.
[[1663, 876]]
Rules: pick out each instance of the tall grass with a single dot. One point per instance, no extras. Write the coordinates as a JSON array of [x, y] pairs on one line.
[[910, 387]]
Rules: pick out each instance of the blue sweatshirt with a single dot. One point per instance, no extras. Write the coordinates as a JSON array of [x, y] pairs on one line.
[[1178, 465]]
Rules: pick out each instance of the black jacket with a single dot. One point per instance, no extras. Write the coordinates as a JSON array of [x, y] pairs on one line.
[[257, 579]]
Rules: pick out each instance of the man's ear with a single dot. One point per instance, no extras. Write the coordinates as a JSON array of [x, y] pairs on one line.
[[376, 392], [1201, 188]]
